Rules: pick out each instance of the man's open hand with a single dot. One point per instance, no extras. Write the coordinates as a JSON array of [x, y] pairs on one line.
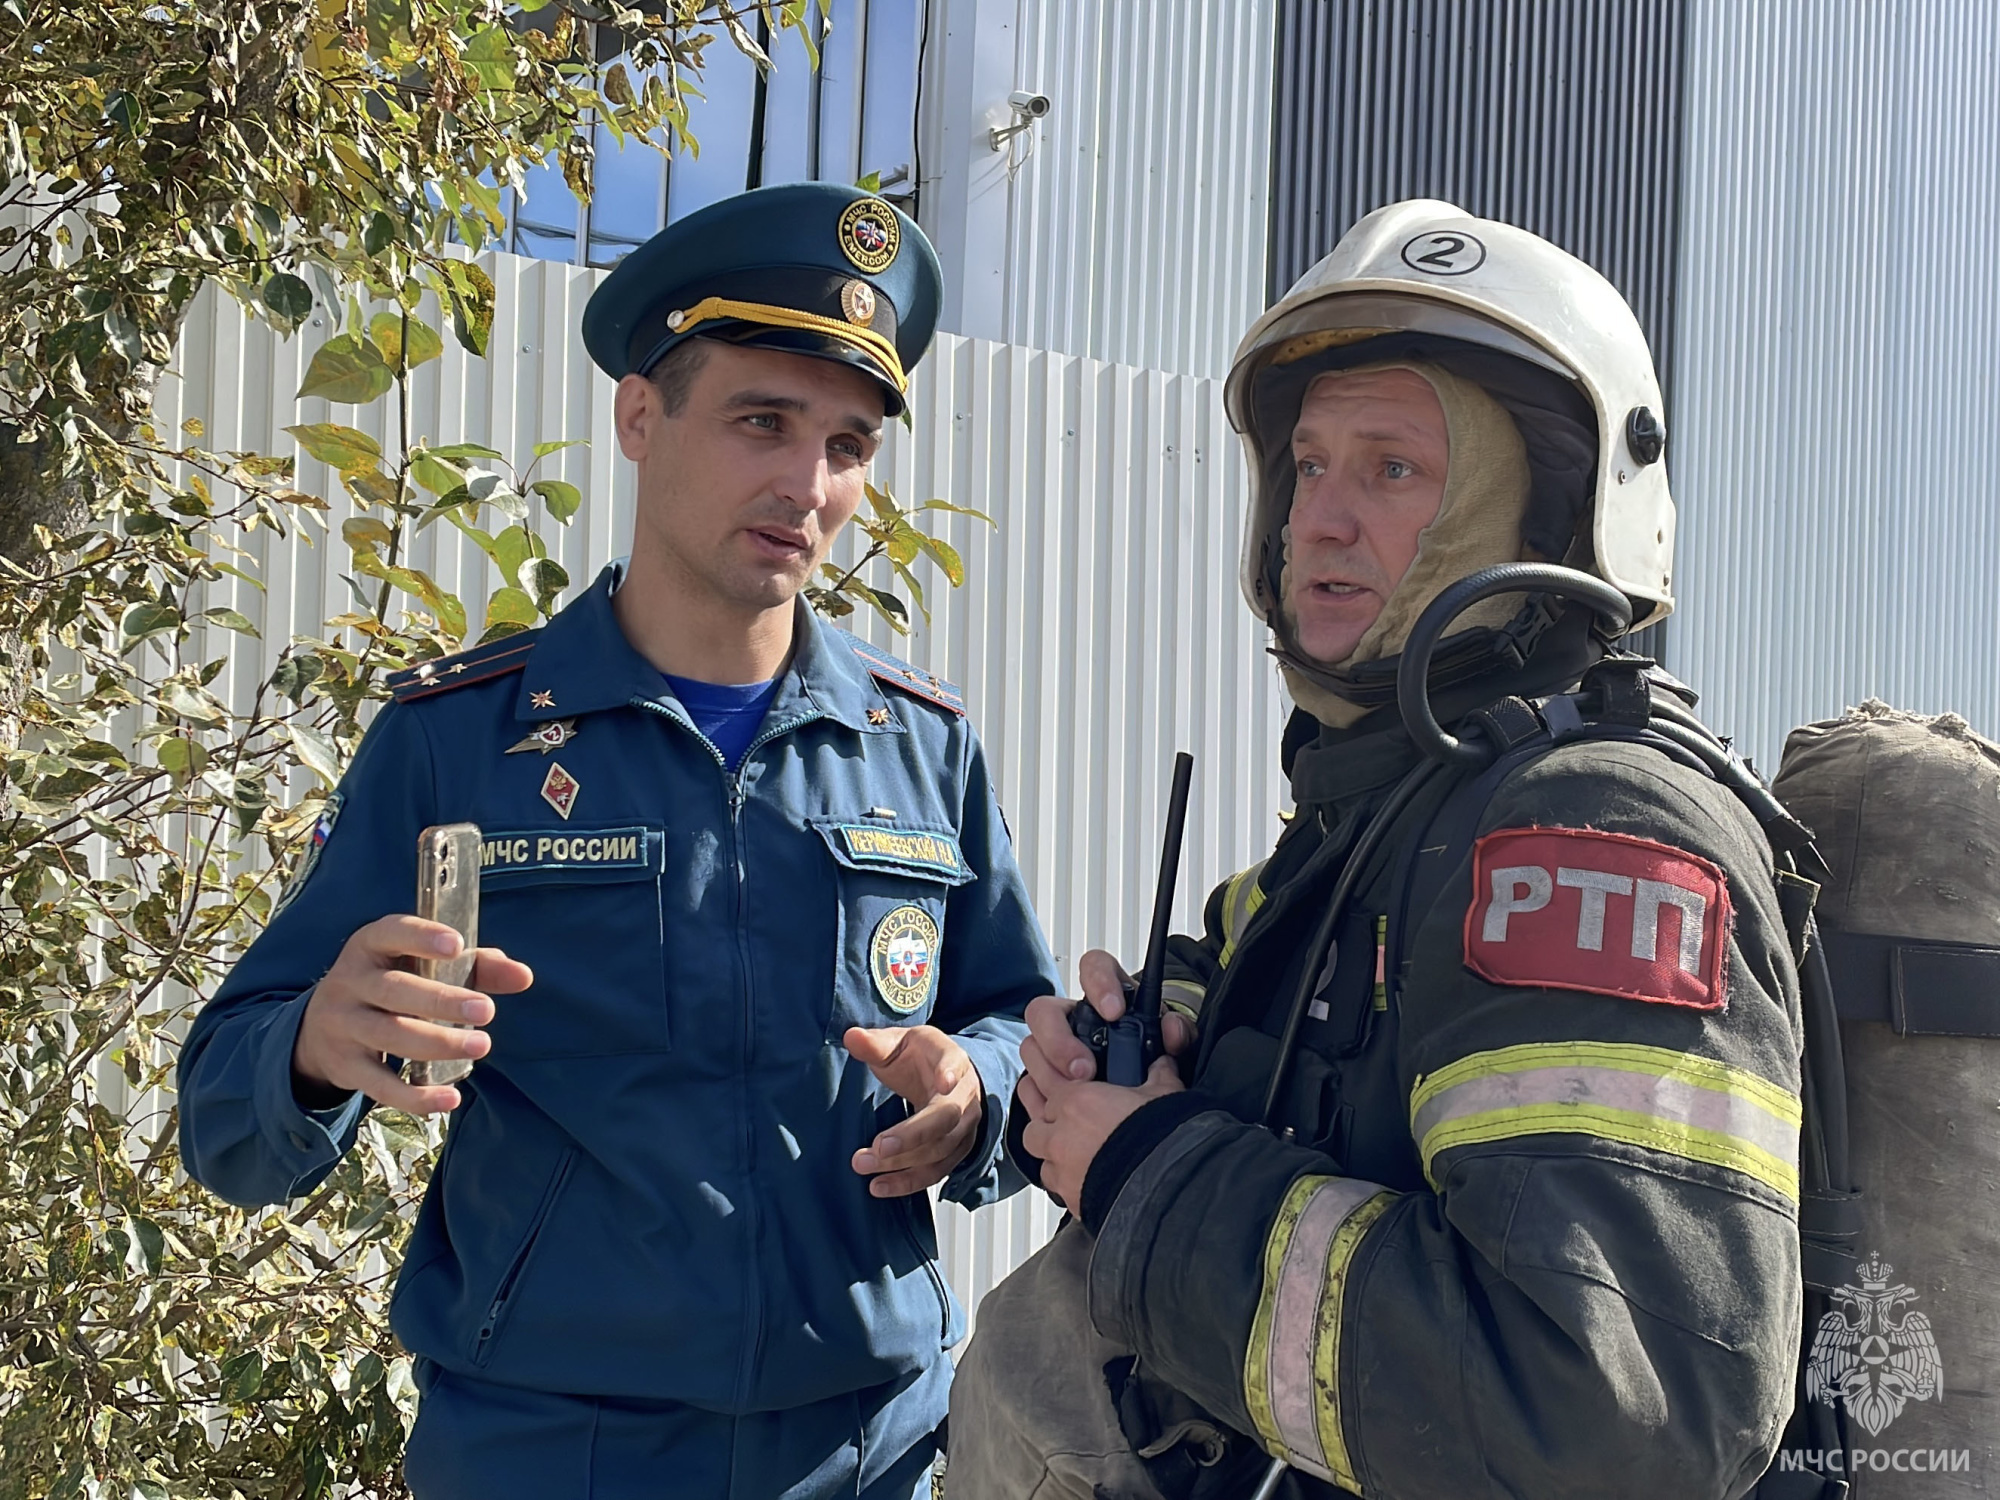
[[368, 1005], [1070, 1116], [948, 1104]]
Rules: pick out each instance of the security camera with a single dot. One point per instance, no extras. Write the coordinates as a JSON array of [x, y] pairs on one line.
[[1030, 103]]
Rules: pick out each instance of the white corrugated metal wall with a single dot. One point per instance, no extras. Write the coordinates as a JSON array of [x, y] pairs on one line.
[[1131, 222], [1099, 628], [1838, 336], [1140, 215]]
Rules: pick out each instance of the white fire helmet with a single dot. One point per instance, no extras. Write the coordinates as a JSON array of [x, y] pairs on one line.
[[1423, 279]]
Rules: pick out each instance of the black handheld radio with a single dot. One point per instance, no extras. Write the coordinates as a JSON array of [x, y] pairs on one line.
[[1125, 1048]]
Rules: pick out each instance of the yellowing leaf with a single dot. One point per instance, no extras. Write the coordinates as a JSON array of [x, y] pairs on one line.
[[510, 606], [386, 331], [946, 557], [366, 531], [345, 448]]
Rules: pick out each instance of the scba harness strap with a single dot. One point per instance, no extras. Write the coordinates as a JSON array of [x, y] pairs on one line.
[[1631, 700]]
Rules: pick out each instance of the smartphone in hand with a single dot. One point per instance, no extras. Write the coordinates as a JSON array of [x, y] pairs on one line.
[[447, 892]]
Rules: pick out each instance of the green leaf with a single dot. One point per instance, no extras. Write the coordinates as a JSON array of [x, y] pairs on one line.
[[945, 556], [556, 445], [289, 298], [509, 606], [143, 621], [381, 232], [434, 473], [344, 448], [241, 1375], [916, 588], [887, 605], [316, 753], [235, 572], [123, 110], [881, 503], [347, 368], [513, 547], [386, 330], [230, 619], [464, 450], [296, 674], [544, 578], [489, 57], [903, 541], [152, 1243], [181, 759], [959, 510], [560, 497]]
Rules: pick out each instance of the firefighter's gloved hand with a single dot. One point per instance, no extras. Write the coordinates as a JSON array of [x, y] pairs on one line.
[[1070, 1116]]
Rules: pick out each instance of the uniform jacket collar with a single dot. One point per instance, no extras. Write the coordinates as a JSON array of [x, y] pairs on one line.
[[582, 664]]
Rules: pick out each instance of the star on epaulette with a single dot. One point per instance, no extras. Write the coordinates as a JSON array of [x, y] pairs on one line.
[[477, 664], [900, 674]]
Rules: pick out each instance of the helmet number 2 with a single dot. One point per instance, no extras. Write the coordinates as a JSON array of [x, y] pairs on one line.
[[1444, 254]]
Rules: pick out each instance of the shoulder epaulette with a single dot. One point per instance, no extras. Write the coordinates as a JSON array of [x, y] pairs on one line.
[[899, 673], [494, 659]]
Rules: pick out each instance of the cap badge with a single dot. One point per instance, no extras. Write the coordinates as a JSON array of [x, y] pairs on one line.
[[857, 300], [559, 789], [546, 738], [901, 956], [869, 234]]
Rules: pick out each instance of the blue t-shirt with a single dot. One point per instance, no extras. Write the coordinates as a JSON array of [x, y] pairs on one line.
[[728, 713]]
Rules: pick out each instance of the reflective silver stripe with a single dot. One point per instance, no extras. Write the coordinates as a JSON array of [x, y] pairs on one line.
[[1184, 995], [1304, 1310], [1239, 904], [1691, 1107]]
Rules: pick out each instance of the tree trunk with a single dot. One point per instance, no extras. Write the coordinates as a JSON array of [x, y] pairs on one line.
[[32, 494]]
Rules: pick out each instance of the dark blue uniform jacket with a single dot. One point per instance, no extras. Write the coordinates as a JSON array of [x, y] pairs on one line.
[[647, 1192]]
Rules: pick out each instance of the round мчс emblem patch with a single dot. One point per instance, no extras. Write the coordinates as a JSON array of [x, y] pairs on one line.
[[869, 235], [901, 956]]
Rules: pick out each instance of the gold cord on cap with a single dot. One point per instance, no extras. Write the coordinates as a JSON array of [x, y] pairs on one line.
[[866, 340]]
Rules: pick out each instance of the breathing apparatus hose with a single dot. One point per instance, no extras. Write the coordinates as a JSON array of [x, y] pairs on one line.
[[1413, 674]]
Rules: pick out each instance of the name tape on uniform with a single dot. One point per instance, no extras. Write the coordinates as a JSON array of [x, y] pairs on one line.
[[863, 844], [1606, 913], [580, 851]]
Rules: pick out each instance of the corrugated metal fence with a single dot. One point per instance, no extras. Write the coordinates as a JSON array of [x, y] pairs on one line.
[[1099, 628], [1139, 207], [1560, 116], [1839, 333]]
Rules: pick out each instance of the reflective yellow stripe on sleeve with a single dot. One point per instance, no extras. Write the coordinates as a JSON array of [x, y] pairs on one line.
[[1691, 1107], [1240, 901], [1291, 1371]]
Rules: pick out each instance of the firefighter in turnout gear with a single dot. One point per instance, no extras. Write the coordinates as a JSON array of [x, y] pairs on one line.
[[1476, 1168]]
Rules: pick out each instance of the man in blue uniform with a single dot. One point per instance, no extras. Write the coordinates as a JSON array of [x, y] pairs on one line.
[[766, 944]]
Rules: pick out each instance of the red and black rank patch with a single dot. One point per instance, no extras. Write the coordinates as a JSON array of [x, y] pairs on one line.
[[1576, 909]]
